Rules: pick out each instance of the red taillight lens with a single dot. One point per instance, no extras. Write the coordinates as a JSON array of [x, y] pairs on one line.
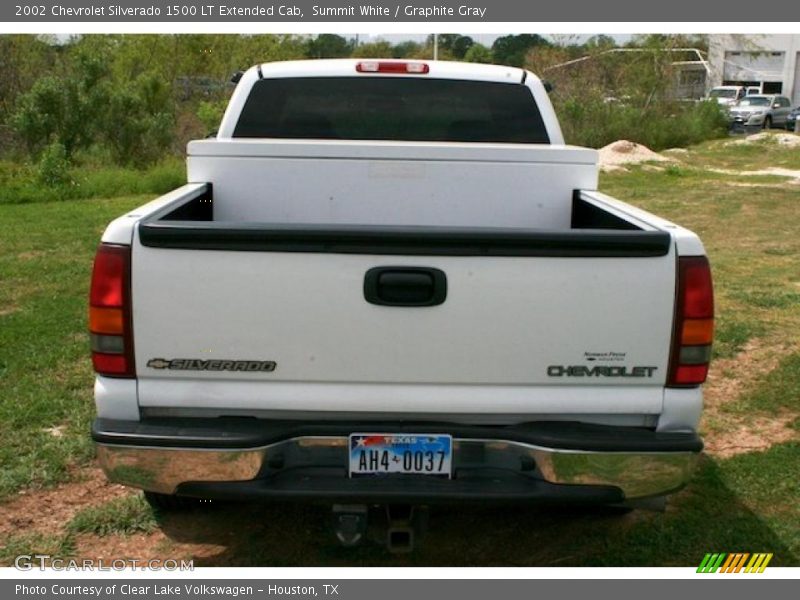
[[392, 67], [110, 312], [694, 323]]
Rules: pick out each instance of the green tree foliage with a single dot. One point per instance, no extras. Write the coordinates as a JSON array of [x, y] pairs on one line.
[[478, 53], [138, 120], [513, 49], [378, 49], [406, 50], [123, 94], [599, 43], [62, 108], [455, 44], [23, 59], [210, 114], [328, 45], [132, 98]]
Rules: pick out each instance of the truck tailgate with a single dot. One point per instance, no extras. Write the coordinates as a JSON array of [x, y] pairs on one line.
[[515, 334]]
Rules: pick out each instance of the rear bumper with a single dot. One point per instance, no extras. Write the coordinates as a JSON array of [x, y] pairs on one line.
[[560, 462]]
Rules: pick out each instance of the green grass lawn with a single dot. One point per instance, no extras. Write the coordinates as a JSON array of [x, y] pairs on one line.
[[46, 252], [748, 501]]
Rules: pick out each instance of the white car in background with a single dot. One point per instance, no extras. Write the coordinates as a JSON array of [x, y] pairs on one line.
[[727, 95]]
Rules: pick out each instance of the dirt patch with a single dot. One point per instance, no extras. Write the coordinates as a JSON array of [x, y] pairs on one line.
[[757, 435], [8, 310], [792, 174], [784, 139], [143, 547], [777, 186], [31, 254], [736, 433], [623, 152], [48, 511]]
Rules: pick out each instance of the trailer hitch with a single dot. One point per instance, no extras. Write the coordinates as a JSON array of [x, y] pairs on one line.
[[350, 523]]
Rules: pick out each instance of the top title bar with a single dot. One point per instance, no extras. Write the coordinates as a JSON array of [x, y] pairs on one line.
[[397, 11]]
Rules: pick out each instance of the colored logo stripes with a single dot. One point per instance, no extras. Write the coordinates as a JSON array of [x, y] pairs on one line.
[[735, 562]]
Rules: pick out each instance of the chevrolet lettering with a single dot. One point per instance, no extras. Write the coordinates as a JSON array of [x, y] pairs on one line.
[[599, 371]]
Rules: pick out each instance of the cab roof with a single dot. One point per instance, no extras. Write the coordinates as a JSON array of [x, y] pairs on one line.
[[346, 67]]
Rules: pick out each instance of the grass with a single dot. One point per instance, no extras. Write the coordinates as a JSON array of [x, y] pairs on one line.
[[749, 502], [731, 336], [775, 390], [127, 515], [19, 184], [46, 402], [56, 545]]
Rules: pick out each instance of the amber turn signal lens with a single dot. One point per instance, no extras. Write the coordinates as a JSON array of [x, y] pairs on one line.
[[697, 332], [106, 320]]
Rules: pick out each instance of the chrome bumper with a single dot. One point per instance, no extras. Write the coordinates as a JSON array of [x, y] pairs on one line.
[[165, 469]]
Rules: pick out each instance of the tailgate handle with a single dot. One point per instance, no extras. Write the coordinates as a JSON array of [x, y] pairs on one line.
[[405, 286]]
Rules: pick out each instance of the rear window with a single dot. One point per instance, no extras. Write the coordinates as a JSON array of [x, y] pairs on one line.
[[384, 108]]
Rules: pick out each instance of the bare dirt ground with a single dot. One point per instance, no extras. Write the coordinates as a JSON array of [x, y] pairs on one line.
[[622, 152], [48, 511], [729, 433], [784, 139]]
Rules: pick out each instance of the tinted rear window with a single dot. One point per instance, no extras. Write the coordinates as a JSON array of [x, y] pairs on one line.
[[383, 108]]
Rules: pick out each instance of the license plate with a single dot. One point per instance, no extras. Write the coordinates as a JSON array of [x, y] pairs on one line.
[[385, 453]]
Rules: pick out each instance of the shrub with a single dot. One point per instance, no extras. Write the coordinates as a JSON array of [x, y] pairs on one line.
[[596, 122], [210, 114], [137, 123], [53, 167]]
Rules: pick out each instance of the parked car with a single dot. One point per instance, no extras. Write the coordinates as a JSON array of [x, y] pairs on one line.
[[752, 90], [391, 282], [760, 111], [727, 95], [791, 118]]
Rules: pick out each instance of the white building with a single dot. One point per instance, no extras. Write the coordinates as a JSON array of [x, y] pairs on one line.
[[771, 62]]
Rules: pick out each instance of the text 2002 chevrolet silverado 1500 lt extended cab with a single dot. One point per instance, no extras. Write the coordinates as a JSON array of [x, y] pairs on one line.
[[392, 282]]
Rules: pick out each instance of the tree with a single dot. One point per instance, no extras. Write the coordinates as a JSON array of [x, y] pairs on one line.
[[478, 53], [454, 44], [327, 45], [407, 49], [377, 49], [23, 58], [600, 42], [62, 108], [137, 124], [512, 49]]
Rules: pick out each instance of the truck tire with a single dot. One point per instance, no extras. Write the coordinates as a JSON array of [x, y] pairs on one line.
[[171, 502]]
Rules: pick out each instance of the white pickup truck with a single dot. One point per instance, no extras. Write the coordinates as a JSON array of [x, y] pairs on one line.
[[391, 282]]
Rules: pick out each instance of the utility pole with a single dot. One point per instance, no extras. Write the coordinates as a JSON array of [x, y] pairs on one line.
[[435, 46]]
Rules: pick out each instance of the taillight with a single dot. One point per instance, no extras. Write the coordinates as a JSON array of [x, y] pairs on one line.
[[110, 312], [392, 67], [694, 323]]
